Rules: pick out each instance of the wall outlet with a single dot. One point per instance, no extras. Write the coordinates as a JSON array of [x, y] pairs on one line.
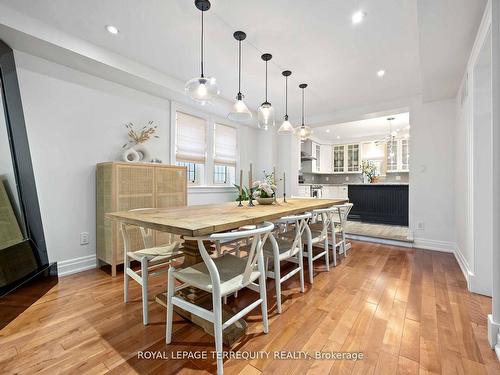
[[420, 225], [398, 178], [347, 178], [84, 238], [327, 178]]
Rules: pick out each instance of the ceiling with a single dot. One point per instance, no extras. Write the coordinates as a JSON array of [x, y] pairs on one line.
[[369, 129], [317, 42]]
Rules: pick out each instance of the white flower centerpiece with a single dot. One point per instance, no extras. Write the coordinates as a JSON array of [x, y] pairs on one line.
[[265, 191]]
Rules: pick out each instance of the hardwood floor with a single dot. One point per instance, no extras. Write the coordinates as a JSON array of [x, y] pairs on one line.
[[408, 312], [388, 232]]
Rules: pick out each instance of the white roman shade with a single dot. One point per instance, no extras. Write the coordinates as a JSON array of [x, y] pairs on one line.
[[190, 138], [225, 145]]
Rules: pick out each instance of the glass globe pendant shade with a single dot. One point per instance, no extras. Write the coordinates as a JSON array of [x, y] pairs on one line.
[[266, 116], [305, 132], [286, 127], [239, 110], [202, 89]]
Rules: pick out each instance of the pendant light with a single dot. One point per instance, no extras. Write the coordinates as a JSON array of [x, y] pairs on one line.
[[304, 131], [266, 110], [202, 89], [286, 127], [239, 111]]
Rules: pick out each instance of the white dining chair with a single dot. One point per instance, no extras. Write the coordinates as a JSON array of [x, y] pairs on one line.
[[340, 222], [317, 238], [222, 276], [285, 246], [153, 260]]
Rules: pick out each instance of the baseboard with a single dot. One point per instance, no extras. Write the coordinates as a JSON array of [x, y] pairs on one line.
[[426, 244], [464, 266], [383, 241], [70, 266]]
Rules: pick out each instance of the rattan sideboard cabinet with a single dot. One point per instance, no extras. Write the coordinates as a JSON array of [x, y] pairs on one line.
[[122, 186]]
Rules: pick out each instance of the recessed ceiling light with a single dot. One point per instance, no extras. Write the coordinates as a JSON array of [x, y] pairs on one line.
[[381, 73], [328, 130], [358, 17], [112, 29], [338, 136]]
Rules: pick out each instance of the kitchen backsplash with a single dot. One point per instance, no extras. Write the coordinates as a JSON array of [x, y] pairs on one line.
[[312, 178]]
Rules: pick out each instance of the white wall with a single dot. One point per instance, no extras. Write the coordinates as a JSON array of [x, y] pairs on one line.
[[432, 174], [75, 120]]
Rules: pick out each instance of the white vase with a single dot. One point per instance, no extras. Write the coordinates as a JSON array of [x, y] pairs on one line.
[[265, 200], [136, 154]]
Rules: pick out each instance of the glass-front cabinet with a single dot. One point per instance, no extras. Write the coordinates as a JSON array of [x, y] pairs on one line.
[[338, 159], [398, 155], [353, 158]]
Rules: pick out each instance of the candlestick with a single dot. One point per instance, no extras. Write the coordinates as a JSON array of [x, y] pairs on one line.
[[250, 192], [284, 188], [241, 188], [274, 182]]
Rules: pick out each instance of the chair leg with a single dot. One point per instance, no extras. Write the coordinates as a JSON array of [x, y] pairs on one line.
[[218, 332], [170, 306], [301, 272], [277, 281], [310, 261], [263, 297], [144, 275], [126, 266], [343, 243], [327, 256]]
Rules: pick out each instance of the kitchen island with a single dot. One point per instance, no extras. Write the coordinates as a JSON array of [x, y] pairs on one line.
[[382, 203]]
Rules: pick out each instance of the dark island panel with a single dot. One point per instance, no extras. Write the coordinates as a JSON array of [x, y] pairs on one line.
[[381, 204]]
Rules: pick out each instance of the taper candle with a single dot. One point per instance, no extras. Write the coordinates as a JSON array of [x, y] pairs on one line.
[[241, 183], [250, 179]]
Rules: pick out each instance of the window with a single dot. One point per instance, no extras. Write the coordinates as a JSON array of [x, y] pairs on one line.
[[191, 170], [190, 145], [225, 154]]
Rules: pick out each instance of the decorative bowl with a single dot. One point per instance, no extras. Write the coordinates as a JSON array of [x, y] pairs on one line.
[[265, 200]]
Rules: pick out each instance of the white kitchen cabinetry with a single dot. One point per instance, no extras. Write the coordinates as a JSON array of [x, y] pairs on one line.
[[398, 156], [304, 191], [325, 159], [334, 191], [347, 158]]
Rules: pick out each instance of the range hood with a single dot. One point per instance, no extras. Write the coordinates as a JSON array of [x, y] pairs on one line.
[[306, 157]]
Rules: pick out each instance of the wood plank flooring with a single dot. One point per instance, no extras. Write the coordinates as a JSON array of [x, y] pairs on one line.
[[408, 312]]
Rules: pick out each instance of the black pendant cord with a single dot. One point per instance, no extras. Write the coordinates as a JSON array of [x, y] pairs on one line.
[[202, 32], [266, 81], [286, 98], [302, 107], [239, 68]]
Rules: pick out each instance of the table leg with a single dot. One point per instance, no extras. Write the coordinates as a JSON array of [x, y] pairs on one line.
[[204, 299]]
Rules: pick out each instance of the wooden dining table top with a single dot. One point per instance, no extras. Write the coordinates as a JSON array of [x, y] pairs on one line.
[[202, 220]]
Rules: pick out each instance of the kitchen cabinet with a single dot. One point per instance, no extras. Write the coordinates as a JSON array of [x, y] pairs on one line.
[[398, 155], [334, 191], [347, 158], [304, 191], [325, 159], [322, 155]]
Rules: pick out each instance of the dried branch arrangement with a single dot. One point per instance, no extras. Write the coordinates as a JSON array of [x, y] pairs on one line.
[[147, 132]]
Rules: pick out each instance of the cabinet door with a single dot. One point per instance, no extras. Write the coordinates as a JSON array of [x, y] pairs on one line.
[[353, 158], [134, 189], [317, 154], [326, 159], [405, 155], [392, 156], [338, 158], [170, 191]]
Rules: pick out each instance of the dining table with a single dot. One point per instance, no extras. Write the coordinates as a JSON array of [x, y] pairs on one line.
[[203, 220]]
